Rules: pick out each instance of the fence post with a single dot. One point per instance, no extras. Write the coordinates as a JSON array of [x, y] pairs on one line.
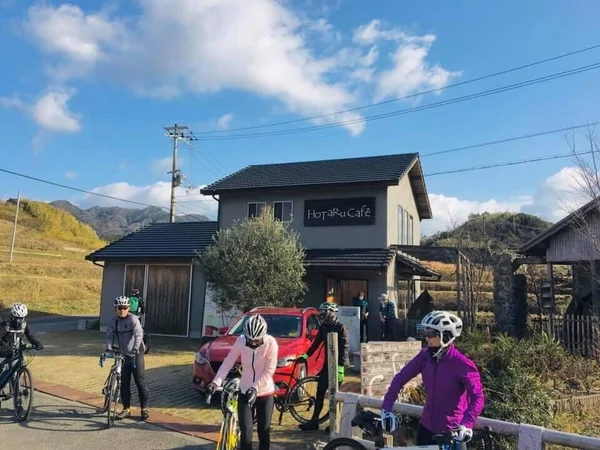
[[349, 408], [332, 362], [531, 438]]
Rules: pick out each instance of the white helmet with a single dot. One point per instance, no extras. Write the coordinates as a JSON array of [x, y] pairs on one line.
[[255, 327], [444, 322], [121, 300], [18, 310]]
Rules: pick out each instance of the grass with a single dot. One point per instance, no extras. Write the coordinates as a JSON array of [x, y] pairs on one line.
[[48, 273]]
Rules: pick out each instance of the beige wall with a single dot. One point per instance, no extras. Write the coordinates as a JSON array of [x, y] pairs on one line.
[[234, 206], [401, 195]]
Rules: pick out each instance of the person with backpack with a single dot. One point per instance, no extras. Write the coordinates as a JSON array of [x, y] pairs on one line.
[[329, 324]]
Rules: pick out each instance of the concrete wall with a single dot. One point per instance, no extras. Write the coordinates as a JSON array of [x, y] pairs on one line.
[[234, 206], [401, 195], [113, 277]]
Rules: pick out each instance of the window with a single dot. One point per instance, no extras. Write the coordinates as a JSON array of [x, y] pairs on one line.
[[410, 231], [255, 208], [400, 225], [405, 225], [278, 326], [283, 210], [312, 322]]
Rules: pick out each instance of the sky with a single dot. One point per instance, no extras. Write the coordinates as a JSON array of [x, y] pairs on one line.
[[87, 87]]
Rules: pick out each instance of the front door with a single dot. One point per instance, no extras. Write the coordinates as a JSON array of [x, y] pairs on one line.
[[343, 292], [168, 300]]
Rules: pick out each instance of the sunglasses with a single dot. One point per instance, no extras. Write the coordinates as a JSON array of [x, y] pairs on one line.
[[122, 308], [428, 333]]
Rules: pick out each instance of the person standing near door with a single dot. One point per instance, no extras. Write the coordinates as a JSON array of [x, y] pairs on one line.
[[387, 314], [363, 304]]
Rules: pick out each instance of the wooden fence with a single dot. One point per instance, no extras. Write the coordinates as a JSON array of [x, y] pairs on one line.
[[579, 335]]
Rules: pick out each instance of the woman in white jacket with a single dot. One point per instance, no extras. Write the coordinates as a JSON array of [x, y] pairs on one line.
[[258, 352]]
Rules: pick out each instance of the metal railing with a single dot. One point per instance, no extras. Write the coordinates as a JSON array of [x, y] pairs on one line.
[[530, 437]]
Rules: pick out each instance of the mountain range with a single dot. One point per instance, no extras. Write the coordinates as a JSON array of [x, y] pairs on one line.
[[111, 222]]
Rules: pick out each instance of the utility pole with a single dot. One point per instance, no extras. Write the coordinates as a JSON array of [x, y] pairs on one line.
[[14, 233], [177, 132]]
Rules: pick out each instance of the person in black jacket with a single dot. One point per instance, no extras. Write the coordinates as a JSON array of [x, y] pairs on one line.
[[12, 332], [329, 323]]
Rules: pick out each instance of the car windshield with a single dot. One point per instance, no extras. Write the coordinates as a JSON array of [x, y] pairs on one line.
[[279, 326]]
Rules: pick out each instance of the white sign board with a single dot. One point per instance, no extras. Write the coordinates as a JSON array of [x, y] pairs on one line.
[[350, 316], [215, 317]]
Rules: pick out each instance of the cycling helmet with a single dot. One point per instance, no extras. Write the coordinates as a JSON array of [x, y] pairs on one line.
[[328, 306], [449, 326], [18, 310], [328, 310], [255, 327], [121, 300], [135, 292]]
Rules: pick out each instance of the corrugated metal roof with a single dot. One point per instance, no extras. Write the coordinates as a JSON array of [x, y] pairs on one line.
[[370, 169], [357, 258], [179, 240]]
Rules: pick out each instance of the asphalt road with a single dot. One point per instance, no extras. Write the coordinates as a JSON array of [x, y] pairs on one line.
[[55, 423]]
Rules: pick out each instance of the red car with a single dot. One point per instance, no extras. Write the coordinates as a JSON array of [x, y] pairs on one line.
[[293, 328]]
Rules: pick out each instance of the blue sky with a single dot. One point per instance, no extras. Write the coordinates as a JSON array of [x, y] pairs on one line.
[[88, 85]]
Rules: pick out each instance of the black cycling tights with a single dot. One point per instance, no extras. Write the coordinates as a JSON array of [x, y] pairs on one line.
[[264, 412], [425, 437], [139, 376]]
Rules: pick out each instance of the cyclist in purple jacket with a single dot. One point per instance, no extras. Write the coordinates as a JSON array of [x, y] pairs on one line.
[[452, 383]]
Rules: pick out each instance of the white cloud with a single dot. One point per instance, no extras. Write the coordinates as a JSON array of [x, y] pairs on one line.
[[559, 195], [71, 174], [52, 113], [162, 166], [173, 48], [224, 122], [157, 194], [410, 72]]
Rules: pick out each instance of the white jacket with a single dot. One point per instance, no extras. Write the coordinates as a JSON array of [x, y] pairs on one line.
[[258, 365]]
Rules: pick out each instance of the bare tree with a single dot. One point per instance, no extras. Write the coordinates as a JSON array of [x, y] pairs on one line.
[[536, 275]]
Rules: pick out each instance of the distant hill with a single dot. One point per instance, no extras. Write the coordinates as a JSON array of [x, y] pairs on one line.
[[507, 229], [113, 222]]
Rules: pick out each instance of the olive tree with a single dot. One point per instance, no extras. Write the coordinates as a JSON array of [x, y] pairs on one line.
[[256, 262]]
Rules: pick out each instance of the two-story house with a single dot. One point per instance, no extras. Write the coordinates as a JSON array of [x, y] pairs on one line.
[[349, 214]]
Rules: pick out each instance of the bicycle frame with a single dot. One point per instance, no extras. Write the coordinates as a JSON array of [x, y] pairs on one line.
[[12, 370]]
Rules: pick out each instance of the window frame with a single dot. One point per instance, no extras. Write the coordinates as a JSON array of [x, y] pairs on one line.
[[283, 202], [254, 203]]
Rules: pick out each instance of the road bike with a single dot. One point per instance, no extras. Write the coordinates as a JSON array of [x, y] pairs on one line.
[[112, 385], [229, 434], [370, 424], [17, 378]]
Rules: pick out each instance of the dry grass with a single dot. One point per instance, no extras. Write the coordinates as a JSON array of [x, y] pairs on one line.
[[50, 275]]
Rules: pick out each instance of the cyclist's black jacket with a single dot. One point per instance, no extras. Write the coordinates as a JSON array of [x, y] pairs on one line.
[[343, 342], [6, 337]]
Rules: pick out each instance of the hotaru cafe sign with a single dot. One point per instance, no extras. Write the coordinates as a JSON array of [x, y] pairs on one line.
[[339, 211]]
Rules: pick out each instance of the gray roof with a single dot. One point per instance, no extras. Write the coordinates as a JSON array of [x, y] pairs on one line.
[[179, 240], [537, 245], [385, 169], [354, 258]]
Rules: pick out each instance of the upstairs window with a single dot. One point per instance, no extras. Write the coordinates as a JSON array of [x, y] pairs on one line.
[[283, 211], [256, 208]]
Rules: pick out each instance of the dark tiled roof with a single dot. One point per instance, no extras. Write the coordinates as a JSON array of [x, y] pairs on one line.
[[371, 169], [179, 240], [414, 266], [355, 258]]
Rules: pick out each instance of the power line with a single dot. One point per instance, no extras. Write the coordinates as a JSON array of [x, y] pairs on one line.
[[77, 189], [430, 91], [509, 163], [433, 105], [511, 139]]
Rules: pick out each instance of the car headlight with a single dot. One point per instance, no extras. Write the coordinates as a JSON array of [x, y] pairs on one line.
[[201, 359], [283, 362]]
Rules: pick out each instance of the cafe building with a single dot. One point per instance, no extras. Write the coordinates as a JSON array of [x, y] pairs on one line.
[[357, 218]]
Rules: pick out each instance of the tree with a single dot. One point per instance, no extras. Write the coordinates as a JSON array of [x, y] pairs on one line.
[[536, 275], [256, 262]]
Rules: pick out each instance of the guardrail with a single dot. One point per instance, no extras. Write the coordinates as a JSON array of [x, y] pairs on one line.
[[530, 437]]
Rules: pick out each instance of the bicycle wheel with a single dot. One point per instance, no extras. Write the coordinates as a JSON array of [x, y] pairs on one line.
[[106, 393], [301, 400], [23, 392], [146, 340], [481, 442], [344, 443], [229, 435], [113, 399]]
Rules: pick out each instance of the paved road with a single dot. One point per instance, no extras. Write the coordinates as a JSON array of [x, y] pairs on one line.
[[61, 424]]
